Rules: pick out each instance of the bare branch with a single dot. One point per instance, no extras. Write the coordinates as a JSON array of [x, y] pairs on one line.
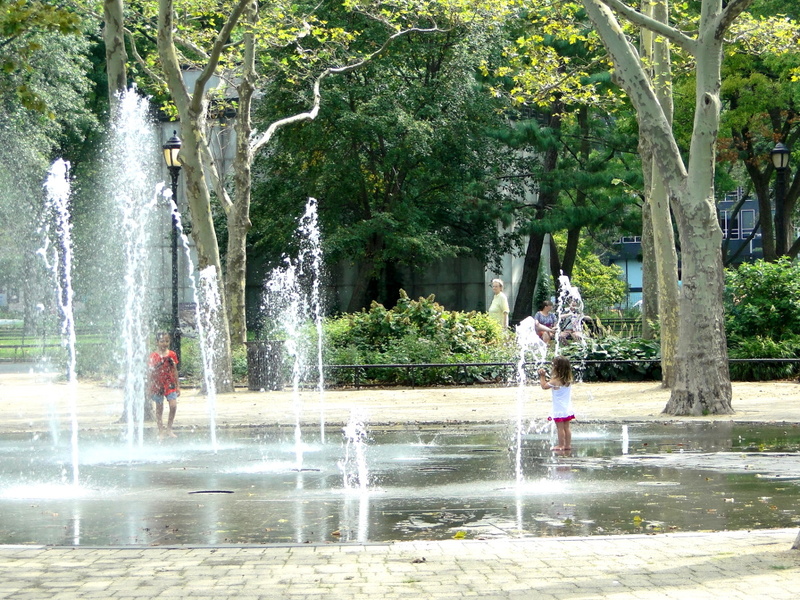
[[216, 50], [637, 18], [262, 140], [191, 45], [141, 62], [729, 15]]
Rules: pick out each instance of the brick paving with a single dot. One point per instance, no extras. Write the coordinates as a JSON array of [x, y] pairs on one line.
[[727, 565], [688, 566]]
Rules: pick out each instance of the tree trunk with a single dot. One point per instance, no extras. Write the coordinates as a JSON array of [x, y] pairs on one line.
[[702, 382], [364, 277], [555, 263], [666, 259], [657, 50], [116, 56], [744, 142], [523, 305], [192, 111], [238, 214], [649, 305]]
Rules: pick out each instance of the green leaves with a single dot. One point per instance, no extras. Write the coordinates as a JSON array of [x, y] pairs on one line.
[[763, 299], [22, 23], [414, 331]]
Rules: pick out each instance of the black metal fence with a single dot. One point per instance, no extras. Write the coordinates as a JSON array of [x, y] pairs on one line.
[[508, 370]]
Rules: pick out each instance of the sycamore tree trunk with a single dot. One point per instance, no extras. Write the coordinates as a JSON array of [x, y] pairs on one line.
[[192, 111], [116, 56], [238, 213], [702, 382], [656, 50], [666, 259], [649, 305]]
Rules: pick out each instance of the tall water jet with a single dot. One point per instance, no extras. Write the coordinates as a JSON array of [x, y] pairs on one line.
[[355, 474], [529, 345], [292, 298], [285, 301], [207, 296], [311, 248], [132, 167], [569, 315], [57, 255], [207, 318]]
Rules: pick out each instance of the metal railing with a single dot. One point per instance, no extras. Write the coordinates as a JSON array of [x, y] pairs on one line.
[[511, 367]]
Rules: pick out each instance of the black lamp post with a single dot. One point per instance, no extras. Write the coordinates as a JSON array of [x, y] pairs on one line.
[[171, 150], [780, 160]]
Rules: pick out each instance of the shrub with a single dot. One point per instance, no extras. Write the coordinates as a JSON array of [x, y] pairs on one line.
[[613, 349], [414, 331], [762, 347], [763, 299], [239, 364]]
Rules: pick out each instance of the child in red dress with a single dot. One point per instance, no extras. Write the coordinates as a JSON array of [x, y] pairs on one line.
[[164, 382]]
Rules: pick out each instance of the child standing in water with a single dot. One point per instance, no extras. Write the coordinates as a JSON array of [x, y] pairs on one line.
[[164, 382], [561, 384]]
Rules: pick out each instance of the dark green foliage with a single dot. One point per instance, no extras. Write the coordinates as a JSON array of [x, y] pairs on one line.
[[239, 365], [758, 347], [399, 160], [544, 290], [762, 299], [22, 23], [613, 349], [415, 331], [762, 318]]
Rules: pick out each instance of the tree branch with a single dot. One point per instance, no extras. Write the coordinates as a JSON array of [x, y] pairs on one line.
[[262, 140], [637, 18], [630, 74], [729, 15], [191, 46], [150, 73], [216, 50]]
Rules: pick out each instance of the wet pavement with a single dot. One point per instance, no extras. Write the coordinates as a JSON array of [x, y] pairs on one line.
[[724, 564]]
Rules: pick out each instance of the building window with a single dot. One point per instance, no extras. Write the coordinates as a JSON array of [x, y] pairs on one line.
[[748, 222], [723, 223], [631, 239]]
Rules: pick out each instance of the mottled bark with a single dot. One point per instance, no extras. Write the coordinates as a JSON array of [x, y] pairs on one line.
[[702, 381], [192, 110], [116, 56], [657, 52], [238, 213], [649, 305]]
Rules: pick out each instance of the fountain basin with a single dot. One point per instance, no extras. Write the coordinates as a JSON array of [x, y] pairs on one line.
[[433, 482]]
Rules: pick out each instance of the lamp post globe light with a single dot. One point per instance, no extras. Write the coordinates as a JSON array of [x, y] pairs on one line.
[[171, 150], [780, 160]]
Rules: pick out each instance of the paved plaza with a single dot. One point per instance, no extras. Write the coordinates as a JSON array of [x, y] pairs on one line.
[[730, 565]]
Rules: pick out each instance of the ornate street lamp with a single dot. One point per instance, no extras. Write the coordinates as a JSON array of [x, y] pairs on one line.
[[171, 150], [780, 160]]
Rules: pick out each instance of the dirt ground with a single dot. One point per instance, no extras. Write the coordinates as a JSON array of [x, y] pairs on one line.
[[31, 403]]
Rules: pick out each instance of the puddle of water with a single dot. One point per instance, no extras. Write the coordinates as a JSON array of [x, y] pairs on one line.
[[435, 483]]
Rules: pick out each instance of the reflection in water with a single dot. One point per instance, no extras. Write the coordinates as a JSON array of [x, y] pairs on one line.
[[672, 478]]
